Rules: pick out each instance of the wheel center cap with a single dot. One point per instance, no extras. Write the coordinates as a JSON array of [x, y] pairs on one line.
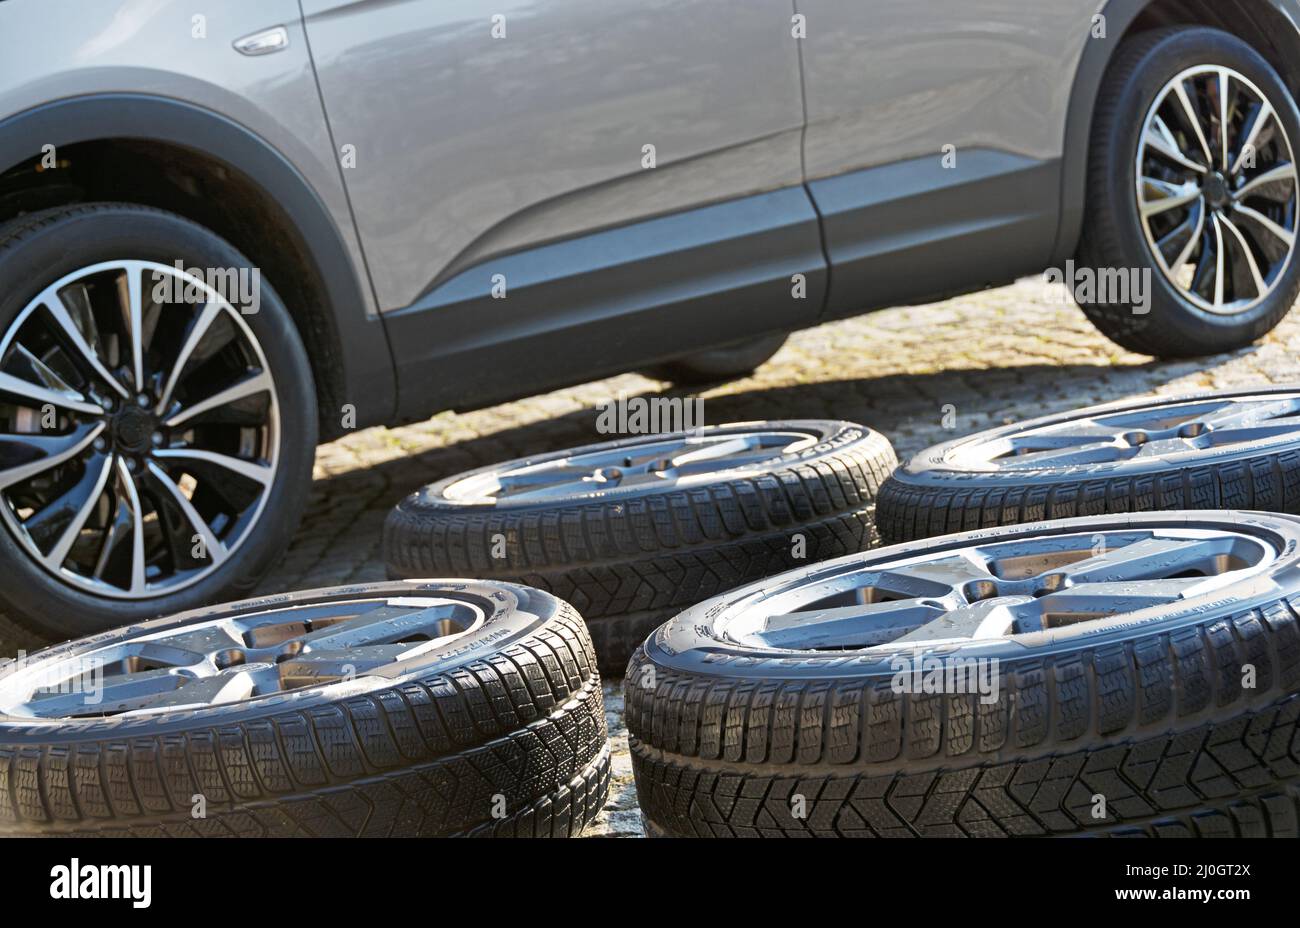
[[133, 429], [1216, 191]]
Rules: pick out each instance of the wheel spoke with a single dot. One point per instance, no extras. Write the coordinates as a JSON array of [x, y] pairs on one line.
[[200, 692], [994, 618], [1161, 196], [1190, 227], [1159, 139], [1263, 113], [43, 372], [132, 500], [212, 545], [25, 456], [54, 305], [72, 510], [1261, 286], [379, 624], [131, 301], [1193, 120], [261, 473], [198, 328], [1186, 254], [849, 626], [1224, 104], [1219, 263], [37, 396], [1277, 174], [1286, 237], [249, 386], [1142, 560]]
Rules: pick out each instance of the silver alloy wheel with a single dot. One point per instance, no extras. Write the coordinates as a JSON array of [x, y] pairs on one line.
[[659, 462], [238, 657], [1142, 436], [139, 429], [1216, 189], [995, 591]]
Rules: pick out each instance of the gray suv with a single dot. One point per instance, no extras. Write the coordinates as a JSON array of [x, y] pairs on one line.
[[230, 230]]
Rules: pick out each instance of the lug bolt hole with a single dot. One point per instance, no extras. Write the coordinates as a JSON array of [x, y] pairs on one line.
[[231, 657]]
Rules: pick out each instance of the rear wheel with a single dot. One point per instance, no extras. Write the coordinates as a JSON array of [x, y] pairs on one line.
[[156, 434], [1192, 183]]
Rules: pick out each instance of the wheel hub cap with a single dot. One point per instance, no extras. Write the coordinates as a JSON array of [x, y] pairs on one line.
[[133, 429]]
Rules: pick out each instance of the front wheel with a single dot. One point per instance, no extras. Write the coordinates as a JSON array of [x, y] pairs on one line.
[[1190, 229], [157, 419]]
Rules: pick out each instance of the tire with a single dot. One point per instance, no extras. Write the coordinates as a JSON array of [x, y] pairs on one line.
[[631, 557], [62, 243], [1140, 722], [496, 730], [951, 487], [718, 364], [1113, 237]]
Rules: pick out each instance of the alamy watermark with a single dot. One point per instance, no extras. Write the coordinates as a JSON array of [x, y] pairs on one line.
[[916, 673], [649, 415], [241, 287], [1087, 286], [83, 676]]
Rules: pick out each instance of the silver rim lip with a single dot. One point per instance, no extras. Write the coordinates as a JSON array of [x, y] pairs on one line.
[[1008, 451], [1224, 229], [257, 675], [177, 582], [786, 616], [599, 471]]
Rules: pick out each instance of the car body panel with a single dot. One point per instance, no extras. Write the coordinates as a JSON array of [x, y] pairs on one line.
[[150, 47], [469, 146], [914, 230], [147, 69], [889, 81], [599, 304]]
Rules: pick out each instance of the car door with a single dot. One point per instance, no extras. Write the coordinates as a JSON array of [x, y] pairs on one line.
[[479, 129], [934, 138]]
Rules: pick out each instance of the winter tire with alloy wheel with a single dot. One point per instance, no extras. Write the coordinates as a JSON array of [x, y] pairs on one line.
[[633, 531], [1192, 181], [156, 441], [398, 709], [1227, 450], [1120, 675]]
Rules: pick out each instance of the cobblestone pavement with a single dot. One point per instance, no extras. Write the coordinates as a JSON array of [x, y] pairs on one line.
[[1005, 354]]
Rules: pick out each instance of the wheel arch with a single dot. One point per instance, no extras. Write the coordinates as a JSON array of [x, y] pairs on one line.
[[1272, 27], [133, 147]]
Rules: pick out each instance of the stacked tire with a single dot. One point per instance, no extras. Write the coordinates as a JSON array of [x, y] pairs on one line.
[[436, 708], [633, 531], [754, 715], [1227, 450]]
